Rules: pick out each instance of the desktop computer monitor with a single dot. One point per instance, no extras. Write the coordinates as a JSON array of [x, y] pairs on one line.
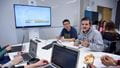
[[64, 57]]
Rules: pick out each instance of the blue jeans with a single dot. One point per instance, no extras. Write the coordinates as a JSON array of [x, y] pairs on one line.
[[4, 59]]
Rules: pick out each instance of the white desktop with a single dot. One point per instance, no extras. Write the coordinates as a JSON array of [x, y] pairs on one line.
[[46, 54]]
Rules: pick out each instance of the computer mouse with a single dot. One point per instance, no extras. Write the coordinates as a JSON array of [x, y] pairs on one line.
[[45, 61], [33, 60]]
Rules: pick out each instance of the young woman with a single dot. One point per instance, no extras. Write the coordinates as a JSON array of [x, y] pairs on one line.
[[110, 37]]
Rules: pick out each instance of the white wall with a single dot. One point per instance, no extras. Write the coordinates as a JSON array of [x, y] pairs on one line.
[[60, 10], [108, 3], [105, 3], [7, 26]]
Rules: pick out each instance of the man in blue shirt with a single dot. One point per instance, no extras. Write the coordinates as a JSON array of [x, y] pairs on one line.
[[68, 33]]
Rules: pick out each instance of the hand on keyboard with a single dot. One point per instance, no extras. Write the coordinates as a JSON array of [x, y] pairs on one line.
[[40, 63]]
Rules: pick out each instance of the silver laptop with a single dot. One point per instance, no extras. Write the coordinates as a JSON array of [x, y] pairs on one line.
[[17, 48], [63, 57], [32, 51]]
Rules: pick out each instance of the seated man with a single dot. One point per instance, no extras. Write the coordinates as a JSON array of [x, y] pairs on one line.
[[4, 59], [109, 61], [68, 33], [90, 37]]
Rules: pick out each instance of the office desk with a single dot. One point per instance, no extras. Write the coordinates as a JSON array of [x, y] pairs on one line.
[[46, 54]]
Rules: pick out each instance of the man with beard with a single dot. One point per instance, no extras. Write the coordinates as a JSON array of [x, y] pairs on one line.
[[90, 37]]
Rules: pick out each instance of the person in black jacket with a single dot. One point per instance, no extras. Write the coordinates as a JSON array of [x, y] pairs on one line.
[[110, 37], [3, 51]]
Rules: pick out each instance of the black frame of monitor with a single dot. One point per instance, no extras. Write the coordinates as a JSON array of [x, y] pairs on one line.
[[31, 26], [66, 47]]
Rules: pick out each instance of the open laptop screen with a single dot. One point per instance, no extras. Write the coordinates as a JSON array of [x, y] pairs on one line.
[[64, 57], [33, 48]]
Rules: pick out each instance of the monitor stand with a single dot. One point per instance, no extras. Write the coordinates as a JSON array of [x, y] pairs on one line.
[[33, 33]]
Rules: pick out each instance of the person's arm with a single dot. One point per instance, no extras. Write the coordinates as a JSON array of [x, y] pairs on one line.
[[1, 48], [108, 61], [97, 44], [2, 52], [17, 59], [30, 66], [118, 62], [61, 35], [37, 64], [9, 64], [74, 33]]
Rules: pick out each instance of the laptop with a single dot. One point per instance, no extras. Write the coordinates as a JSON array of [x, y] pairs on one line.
[[32, 51], [63, 57], [17, 48]]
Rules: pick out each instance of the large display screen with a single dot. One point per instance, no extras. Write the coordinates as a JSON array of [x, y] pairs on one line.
[[32, 16]]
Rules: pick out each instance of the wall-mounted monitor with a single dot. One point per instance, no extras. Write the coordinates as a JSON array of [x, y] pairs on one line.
[[32, 16]]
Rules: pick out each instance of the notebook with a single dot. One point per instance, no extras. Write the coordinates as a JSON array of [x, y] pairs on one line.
[[17, 48], [63, 57], [32, 51]]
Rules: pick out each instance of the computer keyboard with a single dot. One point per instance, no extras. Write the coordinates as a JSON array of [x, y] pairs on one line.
[[15, 49], [26, 56]]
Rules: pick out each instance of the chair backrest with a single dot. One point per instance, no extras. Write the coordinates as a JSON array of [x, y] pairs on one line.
[[110, 40], [110, 46]]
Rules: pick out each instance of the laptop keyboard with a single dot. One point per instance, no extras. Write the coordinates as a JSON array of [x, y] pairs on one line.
[[16, 49], [26, 57]]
